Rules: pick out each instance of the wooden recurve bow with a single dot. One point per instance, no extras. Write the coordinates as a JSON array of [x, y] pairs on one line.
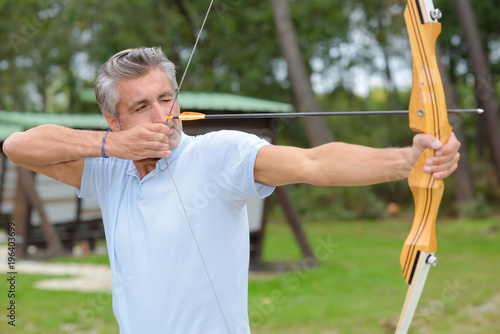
[[427, 115]]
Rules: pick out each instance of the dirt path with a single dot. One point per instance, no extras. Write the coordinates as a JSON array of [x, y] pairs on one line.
[[84, 277]]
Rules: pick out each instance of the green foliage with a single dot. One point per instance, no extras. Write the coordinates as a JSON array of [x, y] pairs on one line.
[[479, 208], [451, 39], [344, 203], [53, 48]]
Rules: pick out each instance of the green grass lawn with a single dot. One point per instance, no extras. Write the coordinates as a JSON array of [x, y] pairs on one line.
[[358, 287]]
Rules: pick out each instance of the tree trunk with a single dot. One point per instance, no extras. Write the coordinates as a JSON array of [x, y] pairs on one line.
[[392, 92], [317, 130], [485, 91], [464, 189]]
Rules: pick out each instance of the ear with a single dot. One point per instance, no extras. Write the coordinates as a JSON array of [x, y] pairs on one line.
[[113, 123]]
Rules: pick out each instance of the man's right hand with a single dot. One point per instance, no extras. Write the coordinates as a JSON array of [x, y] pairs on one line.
[[143, 141]]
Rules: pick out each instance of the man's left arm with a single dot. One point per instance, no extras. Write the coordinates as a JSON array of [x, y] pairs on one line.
[[341, 164]]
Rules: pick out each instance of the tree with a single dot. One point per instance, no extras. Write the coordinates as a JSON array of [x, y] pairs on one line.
[[464, 188], [485, 90], [303, 94]]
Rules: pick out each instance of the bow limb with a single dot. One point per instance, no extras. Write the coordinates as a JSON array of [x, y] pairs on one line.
[[427, 115]]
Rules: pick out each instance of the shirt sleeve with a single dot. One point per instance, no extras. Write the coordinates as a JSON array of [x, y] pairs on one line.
[[87, 188], [230, 163], [101, 176]]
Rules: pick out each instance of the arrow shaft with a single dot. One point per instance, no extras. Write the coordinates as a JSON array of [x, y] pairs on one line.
[[198, 116], [308, 114]]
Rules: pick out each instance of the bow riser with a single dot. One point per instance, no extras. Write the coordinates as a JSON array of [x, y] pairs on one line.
[[427, 95], [427, 194], [427, 115], [427, 102]]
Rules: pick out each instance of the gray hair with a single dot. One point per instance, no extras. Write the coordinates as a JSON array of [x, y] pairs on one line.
[[128, 64]]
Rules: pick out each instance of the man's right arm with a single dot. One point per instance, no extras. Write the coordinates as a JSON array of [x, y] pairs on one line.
[[55, 151], [60, 152]]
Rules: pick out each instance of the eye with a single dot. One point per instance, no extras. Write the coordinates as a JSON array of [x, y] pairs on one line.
[[140, 108]]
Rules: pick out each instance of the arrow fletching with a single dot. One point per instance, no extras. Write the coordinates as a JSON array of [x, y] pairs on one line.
[[188, 116]]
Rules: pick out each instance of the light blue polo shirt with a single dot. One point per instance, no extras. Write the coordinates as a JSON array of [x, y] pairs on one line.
[[159, 282]]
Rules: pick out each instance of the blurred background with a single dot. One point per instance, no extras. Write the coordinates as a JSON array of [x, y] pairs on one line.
[[356, 54], [314, 55]]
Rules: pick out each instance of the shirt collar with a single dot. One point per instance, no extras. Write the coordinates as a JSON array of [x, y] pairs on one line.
[[162, 164]]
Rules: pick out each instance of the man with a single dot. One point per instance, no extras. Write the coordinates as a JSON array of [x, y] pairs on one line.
[[174, 206]]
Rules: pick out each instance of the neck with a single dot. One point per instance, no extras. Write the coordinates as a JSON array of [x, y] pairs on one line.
[[145, 166]]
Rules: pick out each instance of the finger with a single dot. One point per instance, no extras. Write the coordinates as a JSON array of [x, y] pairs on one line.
[[443, 164], [150, 141], [427, 141], [154, 132], [443, 159], [158, 128], [156, 146], [446, 173], [158, 138], [443, 169], [450, 147], [151, 153], [158, 154], [420, 143]]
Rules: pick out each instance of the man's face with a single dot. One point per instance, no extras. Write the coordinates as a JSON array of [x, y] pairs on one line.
[[148, 98]]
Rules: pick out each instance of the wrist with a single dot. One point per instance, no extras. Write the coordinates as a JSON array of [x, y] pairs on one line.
[[103, 150], [406, 165]]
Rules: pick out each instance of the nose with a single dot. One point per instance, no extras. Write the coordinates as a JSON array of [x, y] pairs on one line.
[[159, 113]]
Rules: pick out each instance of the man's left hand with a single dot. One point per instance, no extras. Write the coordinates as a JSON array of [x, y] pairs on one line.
[[445, 160]]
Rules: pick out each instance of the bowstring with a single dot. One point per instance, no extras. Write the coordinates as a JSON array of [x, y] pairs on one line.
[[199, 251], [175, 185], [191, 56]]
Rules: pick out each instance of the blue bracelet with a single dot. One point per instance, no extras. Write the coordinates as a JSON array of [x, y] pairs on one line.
[[102, 147]]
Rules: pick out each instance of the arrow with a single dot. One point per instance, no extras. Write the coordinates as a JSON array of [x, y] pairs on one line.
[[193, 116]]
